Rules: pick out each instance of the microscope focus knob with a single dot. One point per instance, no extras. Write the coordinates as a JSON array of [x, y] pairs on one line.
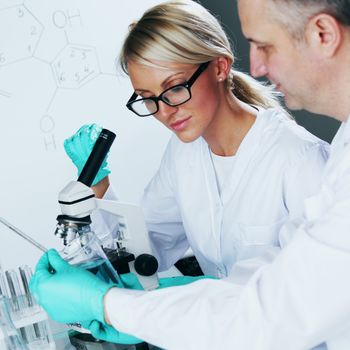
[[146, 265]]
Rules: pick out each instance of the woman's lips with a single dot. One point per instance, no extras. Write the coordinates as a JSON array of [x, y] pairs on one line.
[[180, 125]]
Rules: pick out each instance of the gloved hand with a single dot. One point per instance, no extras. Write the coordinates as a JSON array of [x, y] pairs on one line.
[[108, 333], [78, 147], [180, 280], [131, 281], [69, 294]]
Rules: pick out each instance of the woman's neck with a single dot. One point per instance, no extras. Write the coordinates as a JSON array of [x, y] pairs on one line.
[[231, 124]]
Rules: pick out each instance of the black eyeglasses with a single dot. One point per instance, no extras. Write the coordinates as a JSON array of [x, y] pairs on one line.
[[173, 96]]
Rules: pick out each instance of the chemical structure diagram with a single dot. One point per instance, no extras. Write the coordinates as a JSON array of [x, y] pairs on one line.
[[73, 66]]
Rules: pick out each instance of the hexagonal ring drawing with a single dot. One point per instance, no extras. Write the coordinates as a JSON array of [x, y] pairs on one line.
[[24, 30], [75, 65]]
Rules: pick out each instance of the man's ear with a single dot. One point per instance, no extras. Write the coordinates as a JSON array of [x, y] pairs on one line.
[[324, 34]]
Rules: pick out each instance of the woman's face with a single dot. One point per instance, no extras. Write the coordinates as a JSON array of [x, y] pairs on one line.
[[191, 119]]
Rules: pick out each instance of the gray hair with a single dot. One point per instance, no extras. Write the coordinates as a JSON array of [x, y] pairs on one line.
[[294, 14], [183, 31]]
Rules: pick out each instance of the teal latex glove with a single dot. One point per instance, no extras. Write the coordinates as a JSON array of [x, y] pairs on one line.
[[180, 280], [108, 333], [131, 281], [78, 147], [70, 294]]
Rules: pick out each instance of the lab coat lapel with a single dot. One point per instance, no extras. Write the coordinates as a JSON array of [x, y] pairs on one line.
[[209, 174], [244, 155], [214, 202]]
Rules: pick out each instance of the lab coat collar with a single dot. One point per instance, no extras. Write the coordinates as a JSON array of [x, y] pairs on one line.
[[245, 152], [342, 137], [346, 131], [339, 149]]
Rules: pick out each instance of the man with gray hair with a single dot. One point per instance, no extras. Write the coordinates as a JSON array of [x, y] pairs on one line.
[[303, 47]]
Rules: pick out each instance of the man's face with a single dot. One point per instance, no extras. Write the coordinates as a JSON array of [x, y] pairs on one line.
[[276, 55]]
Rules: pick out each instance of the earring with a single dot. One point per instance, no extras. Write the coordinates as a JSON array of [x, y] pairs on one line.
[[220, 79]]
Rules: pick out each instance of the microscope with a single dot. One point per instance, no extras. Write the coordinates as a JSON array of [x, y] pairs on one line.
[[132, 250]]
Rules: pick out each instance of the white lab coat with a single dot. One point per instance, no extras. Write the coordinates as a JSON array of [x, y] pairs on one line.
[[295, 301], [277, 164]]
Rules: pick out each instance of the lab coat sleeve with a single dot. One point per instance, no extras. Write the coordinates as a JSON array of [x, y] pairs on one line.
[[162, 214], [297, 301], [244, 269], [302, 176]]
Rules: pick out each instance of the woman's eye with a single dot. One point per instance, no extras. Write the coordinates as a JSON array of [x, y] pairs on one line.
[[176, 89]]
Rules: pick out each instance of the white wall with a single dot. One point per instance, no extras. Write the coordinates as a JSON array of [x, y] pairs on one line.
[[57, 72]]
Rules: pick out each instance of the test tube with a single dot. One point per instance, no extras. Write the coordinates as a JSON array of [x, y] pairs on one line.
[[3, 288], [14, 288], [26, 274], [18, 302], [23, 308], [11, 340]]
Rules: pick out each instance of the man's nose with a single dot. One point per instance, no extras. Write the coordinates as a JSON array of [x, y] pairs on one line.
[[257, 63]]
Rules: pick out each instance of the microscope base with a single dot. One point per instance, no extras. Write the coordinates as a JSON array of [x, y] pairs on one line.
[[84, 341]]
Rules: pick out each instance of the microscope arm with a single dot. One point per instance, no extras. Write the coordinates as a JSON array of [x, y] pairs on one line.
[[133, 236]]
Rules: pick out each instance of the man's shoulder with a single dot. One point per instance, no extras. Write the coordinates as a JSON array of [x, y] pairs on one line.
[[284, 128], [284, 136]]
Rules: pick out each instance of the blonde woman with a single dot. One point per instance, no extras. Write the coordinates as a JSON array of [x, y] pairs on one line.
[[237, 166]]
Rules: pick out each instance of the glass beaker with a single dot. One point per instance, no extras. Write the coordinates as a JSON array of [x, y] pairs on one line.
[[86, 252], [9, 337]]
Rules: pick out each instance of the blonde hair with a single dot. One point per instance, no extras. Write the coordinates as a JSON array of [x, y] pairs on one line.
[[183, 31]]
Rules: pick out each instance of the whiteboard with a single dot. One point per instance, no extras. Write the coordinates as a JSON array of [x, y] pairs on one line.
[[58, 72]]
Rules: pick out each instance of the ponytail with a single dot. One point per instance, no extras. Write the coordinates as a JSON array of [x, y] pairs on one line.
[[253, 92]]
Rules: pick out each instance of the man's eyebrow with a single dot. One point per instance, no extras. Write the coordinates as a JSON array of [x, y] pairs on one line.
[[254, 41]]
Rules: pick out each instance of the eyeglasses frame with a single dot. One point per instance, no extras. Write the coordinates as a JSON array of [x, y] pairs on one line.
[[187, 84]]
